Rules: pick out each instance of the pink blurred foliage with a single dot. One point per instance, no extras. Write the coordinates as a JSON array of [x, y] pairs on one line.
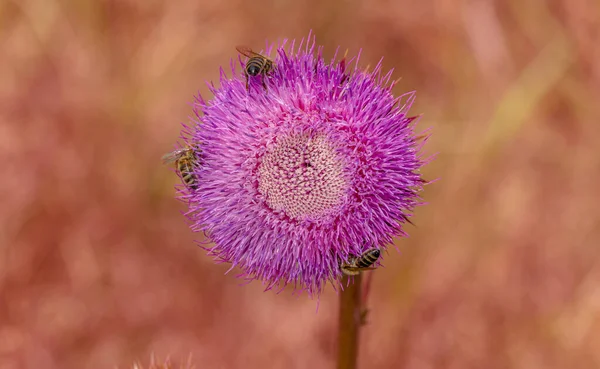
[[98, 267]]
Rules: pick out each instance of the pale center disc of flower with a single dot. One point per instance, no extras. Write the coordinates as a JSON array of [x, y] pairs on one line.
[[303, 176]]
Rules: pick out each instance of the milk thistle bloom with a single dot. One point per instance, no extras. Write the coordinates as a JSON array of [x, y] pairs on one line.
[[292, 180]]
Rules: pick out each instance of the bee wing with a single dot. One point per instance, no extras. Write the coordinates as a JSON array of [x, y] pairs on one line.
[[369, 268], [172, 156], [358, 269], [245, 50]]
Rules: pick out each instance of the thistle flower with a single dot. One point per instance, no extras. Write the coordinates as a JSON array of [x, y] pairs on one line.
[[294, 180]]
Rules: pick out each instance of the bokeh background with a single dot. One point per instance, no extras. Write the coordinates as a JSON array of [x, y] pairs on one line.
[[98, 268]]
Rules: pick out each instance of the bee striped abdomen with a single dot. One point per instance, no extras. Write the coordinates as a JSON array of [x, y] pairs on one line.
[[368, 258], [255, 66], [186, 168]]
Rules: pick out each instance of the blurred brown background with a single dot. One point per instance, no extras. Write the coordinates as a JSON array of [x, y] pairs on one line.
[[98, 267]]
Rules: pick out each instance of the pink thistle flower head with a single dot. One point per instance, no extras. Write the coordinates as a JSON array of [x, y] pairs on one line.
[[297, 178]]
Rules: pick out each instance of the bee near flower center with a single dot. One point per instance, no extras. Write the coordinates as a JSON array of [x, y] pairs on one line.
[[303, 176]]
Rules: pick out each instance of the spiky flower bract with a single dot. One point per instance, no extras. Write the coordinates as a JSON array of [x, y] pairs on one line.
[[295, 179]]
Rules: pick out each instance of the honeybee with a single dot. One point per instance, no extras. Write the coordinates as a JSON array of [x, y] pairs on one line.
[[355, 265], [256, 64], [185, 162]]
